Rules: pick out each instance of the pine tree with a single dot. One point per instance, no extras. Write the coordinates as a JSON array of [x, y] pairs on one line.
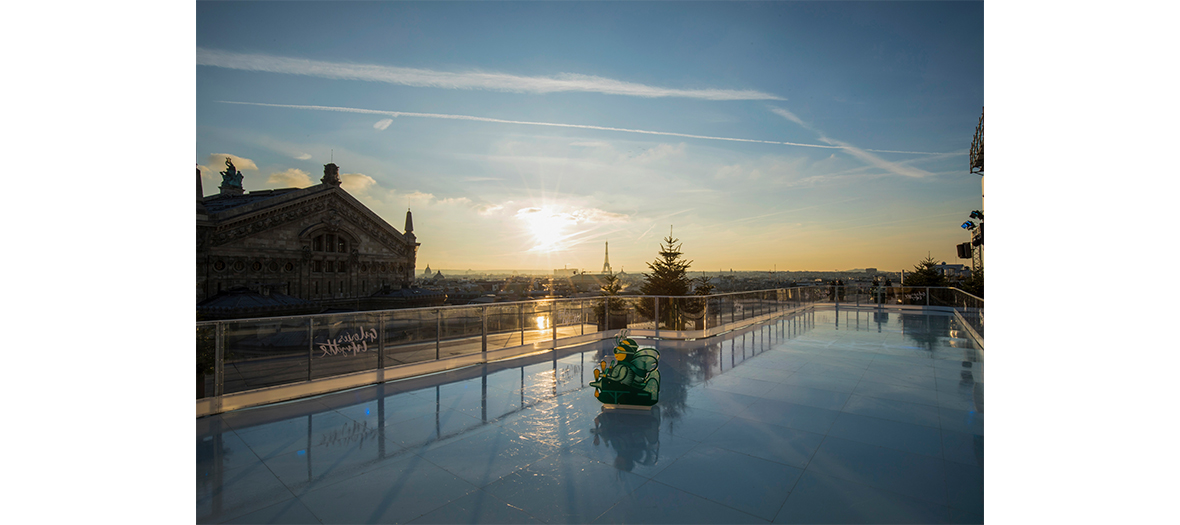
[[669, 276], [974, 284], [925, 275]]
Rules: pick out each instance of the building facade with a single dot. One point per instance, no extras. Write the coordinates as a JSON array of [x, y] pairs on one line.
[[318, 243]]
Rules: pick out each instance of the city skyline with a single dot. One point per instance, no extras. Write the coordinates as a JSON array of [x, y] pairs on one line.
[[814, 137]]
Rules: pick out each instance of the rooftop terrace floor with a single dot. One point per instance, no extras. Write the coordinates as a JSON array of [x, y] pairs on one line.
[[825, 417]]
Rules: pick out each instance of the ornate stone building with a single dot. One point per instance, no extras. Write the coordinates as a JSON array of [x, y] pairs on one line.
[[318, 244]]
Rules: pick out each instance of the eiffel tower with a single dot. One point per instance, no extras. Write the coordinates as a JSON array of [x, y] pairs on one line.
[[606, 259]]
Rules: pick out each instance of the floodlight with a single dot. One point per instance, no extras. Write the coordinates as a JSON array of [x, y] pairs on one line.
[[977, 215], [968, 225]]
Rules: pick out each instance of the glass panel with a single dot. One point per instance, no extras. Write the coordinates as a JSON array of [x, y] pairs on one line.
[[262, 353], [689, 312], [636, 317], [910, 295], [206, 359], [503, 326], [942, 297], [462, 330], [536, 321], [410, 336], [569, 318], [344, 344], [594, 314]]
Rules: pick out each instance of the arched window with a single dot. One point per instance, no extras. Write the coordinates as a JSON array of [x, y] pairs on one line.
[[329, 243]]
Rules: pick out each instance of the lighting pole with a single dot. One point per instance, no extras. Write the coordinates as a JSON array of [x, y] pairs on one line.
[[976, 162]]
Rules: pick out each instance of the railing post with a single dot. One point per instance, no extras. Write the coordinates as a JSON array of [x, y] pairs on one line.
[[705, 317], [381, 341], [657, 316], [310, 344], [437, 334], [553, 322], [606, 313], [582, 315], [520, 321], [219, 360], [483, 314], [927, 296]]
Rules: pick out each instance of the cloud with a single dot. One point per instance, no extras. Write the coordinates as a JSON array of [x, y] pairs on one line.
[[488, 209], [396, 114], [862, 154], [356, 182], [789, 116], [241, 163], [382, 124], [481, 179], [868, 158], [661, 152], [304, 156], [292, 178], [491, 81]]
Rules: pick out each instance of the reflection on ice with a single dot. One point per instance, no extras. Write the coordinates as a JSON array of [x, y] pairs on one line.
[[503, 417]]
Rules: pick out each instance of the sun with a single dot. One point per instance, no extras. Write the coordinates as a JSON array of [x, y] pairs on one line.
[[548, 228]]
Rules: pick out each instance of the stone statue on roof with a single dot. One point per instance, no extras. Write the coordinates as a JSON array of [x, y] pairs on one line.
[[331, 174], [231, 176]]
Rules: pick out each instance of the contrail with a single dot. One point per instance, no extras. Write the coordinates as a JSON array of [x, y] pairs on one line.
[[491, 81], [396, 114]]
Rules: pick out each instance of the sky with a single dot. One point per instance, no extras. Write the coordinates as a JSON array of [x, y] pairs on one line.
[[764, 136]]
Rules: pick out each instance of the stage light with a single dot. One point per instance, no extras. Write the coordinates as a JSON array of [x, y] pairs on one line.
[[968, 225]]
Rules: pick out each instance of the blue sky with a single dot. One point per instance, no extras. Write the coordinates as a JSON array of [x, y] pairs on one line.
[[796, 136]]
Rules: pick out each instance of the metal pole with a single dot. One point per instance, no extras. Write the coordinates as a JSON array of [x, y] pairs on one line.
[[219, 361], [437, 334], [483, 313], [606, 312], [381, 341], [582, 315], [310, 343], [927, 296], [520, 321], [553, 322], [657, 300]]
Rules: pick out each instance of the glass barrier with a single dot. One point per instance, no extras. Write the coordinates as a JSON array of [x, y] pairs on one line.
[[536, 322], [690, 312], [570, 318], [344, 343], [504, 325], [410, 336], [260, 353], [909, 295], [265, 352], [462, 331], [206, 359]]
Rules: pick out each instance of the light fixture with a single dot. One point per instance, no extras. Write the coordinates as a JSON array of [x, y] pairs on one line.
[[969, 225]]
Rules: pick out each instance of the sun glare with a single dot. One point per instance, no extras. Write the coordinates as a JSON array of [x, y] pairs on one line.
[[547, 228]]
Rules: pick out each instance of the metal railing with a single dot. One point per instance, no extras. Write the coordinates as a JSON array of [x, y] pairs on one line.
[[236, 356]]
